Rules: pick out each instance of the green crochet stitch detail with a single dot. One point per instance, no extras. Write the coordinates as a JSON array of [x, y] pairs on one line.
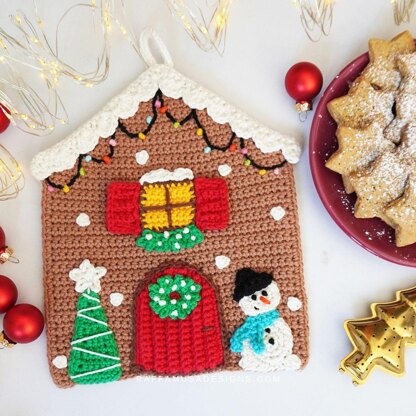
[[174, 297], [94, 356], [170, 241]]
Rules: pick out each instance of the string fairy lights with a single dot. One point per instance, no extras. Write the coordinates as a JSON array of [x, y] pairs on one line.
[[402, 10], [12, 179], [37, 110], [207, 26], [316, 17]]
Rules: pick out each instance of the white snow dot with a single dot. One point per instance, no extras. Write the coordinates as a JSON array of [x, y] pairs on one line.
[[184, 305], [161, 290], [156, 298], [162, 303], [159, 243], [277, 213], [83, 220], [173, 301], [166, 234], [116, 298], [293, 303], [174, 287], [178, 236], [174, 313], [222, 262], [142, 157], [224, 170], [177, 245], [60, 362], [193, 238], [149, 236], [193, 287], [183, 283], [167, 281], [187, 297], [186, 230]]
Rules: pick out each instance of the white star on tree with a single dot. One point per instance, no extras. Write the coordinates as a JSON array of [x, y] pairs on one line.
[[87, 277]]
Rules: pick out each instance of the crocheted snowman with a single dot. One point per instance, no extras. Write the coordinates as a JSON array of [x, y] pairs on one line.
[[264, 340]]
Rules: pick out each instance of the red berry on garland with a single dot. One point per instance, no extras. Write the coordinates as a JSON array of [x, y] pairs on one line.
[[4, 120], [8, 294], [303, 83], [23, 323]]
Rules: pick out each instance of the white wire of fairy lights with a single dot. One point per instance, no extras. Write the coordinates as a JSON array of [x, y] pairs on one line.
[[12, 179], [37, 111], [205, 21], [402, 10], [316, 17]]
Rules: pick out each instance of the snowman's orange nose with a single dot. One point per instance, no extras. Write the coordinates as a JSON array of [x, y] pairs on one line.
[[264, 300]]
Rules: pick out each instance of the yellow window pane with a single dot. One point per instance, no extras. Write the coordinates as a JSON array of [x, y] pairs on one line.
[[181, 193], [153, 196], [155, 220], [182, 216]]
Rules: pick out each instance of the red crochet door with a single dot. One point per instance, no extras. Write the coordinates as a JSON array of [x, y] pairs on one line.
[[178, 346]]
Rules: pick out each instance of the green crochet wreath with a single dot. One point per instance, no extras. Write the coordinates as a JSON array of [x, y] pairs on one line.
[[174, 297]]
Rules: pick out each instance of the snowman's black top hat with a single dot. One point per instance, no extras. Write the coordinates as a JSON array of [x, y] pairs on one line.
[[247, 281]]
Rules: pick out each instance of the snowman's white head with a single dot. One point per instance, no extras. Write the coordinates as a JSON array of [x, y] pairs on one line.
[[255, 292], [261, 301]]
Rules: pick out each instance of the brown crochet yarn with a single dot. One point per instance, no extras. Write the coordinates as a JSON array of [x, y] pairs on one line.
[[252, 238]]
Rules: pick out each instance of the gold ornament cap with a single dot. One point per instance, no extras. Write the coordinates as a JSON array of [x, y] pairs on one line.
[[6, 254], [302, 106], [4, 342]]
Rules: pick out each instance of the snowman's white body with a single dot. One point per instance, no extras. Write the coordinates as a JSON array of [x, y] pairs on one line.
[[278, 340], [277, 356]]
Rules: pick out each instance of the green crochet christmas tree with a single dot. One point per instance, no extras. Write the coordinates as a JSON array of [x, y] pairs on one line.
[[94, 356]]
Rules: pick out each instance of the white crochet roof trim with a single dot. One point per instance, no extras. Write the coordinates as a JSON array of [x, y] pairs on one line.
[[164, 175], [63, 155]]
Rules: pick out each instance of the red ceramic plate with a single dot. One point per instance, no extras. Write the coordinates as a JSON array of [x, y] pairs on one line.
[[372, 234]]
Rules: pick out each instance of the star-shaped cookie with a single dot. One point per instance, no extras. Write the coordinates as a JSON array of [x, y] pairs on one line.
[[362, 106], [357, 149], [402, 214], [382, 71], [406, 97], [385, 179], [378, 185]]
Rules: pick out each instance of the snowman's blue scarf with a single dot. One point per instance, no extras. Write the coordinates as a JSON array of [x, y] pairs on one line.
[[253, 331]]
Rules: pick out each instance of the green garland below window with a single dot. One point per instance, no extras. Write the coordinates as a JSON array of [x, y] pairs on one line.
[[170, 241]]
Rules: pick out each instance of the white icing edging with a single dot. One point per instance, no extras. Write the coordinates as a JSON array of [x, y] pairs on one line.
[[142, 157], [222, 262], [116, 299], [164, 175], [294, 303], [83, 220], [60, 362], [64, 154], [277, 213]]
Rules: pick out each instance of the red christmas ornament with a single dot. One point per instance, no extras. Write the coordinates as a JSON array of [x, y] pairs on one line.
[[8, 294], [23, 323], [4, 120], [303, 83]]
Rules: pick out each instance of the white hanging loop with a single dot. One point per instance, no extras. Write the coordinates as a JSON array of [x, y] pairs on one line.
[[150, 35]]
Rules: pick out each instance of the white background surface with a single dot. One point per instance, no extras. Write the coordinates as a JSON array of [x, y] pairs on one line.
[[265, 38]]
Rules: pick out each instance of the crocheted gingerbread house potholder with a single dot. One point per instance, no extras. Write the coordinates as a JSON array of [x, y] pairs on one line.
[[170, 238]]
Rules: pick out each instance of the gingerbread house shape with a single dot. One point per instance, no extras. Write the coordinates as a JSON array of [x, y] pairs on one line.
[[170, 238]]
